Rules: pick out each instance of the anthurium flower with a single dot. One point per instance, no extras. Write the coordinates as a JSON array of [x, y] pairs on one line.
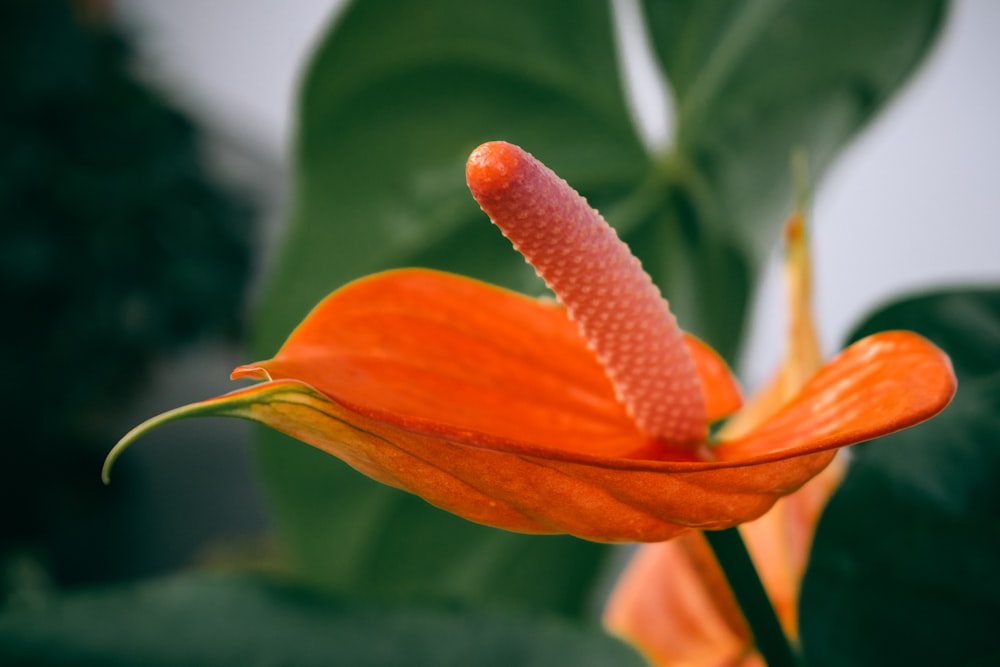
[[589, 416], [673, 600]]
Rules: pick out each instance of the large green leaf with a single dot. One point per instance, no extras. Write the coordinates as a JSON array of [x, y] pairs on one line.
[[397, 95], [904, 567], [755, 80], [222, 621]]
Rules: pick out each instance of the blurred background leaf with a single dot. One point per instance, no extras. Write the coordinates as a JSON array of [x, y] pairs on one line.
[[752, 82], [904, 567], [222, 621], [398, 94]]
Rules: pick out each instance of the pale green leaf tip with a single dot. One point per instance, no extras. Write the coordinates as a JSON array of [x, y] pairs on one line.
[[190, 410]]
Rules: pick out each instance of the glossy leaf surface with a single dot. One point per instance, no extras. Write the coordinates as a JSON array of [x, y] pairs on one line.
[[904, 567]]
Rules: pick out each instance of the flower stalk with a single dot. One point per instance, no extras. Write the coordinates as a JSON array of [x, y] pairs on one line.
[[741, 574]]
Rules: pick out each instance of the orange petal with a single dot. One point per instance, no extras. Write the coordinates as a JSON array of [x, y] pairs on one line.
[[883, 383], [517, 487], [722, 394], [802, 354], [780, 541], [444, 354], [674, 604], [488, 405]]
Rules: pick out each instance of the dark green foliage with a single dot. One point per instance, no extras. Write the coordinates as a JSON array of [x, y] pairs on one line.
[[116, 248], [214, 621], [904, 568]]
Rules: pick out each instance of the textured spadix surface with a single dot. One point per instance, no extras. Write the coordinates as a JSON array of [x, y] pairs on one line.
[[618, 309]]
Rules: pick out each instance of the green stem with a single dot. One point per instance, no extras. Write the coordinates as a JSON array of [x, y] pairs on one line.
[[742, 576]]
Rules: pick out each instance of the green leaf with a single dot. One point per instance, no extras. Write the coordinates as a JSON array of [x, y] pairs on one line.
[[904, 567], [753, 81], [398, 94], [216, 621]]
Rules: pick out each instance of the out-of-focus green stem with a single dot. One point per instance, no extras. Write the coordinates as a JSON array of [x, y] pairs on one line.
[[733, 557]]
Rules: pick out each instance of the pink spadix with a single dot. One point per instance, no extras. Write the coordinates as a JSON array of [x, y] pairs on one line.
[[618, 309]]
